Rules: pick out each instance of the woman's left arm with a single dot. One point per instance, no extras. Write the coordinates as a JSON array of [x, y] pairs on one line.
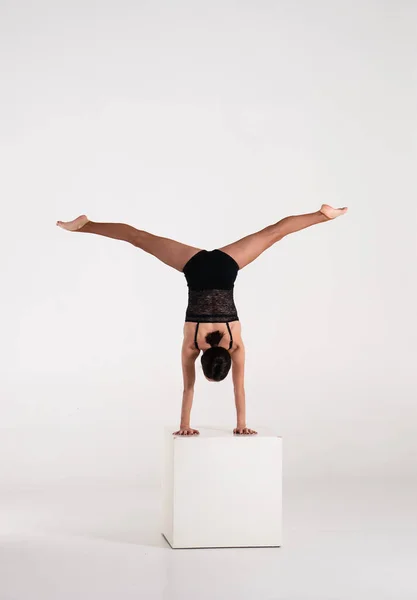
[[238, 375]]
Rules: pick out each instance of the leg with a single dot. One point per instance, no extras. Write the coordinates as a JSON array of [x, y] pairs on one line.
[[245, 250], [168, 251]]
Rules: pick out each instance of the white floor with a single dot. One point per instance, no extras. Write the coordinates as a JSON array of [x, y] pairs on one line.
[[350, 541]]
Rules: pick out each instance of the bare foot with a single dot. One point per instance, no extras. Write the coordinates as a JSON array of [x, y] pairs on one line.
[[244, 431], [332, 213], [74, 225], [186, 431]]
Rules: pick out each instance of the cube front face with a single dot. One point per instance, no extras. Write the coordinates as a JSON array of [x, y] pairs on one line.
[[225, 491]]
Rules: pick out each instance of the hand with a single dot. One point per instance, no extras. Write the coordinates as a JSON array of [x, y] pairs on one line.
[[244, 431], [186, 431]]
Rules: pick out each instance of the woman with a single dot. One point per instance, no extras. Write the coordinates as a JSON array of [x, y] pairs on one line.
[[211, 323]]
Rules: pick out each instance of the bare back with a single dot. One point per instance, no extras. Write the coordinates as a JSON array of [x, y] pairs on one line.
[[204, 329]]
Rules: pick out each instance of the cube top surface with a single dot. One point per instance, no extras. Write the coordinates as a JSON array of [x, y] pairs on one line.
[[221, 432]]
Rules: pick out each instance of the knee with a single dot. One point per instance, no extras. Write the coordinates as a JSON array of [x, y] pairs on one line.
[[136, 238], [275, 234]]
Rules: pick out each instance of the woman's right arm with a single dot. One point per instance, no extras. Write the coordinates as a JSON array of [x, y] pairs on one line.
[[188, 358]]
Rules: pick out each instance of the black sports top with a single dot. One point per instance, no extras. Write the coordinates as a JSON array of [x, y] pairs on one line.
[[210, 278], [228, 329]]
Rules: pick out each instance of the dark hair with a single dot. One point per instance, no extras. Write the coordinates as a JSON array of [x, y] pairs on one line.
[[215, 361]]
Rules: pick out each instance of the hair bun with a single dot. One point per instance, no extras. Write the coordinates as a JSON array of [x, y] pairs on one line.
[[214, 337]]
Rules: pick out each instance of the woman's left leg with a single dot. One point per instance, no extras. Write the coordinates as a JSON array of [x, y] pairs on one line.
[[245, 250]]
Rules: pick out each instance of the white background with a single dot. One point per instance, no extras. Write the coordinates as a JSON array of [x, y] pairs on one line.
[[205, 122]]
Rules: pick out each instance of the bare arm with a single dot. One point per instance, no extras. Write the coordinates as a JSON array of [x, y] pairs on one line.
[[238, 375], [188, 358]]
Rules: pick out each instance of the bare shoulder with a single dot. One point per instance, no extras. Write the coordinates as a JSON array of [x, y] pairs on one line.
[[236, 329], [189, 352], [188, 346]]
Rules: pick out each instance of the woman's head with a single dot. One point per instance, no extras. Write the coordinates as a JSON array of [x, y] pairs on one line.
[[216, 361]]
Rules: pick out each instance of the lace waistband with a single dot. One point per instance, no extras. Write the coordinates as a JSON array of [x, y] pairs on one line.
[[211, 306]]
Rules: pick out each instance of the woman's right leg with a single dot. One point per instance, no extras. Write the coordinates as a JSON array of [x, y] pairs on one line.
[[169, 251]]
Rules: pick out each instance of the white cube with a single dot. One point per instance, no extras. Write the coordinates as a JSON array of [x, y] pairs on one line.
[[222, 490]]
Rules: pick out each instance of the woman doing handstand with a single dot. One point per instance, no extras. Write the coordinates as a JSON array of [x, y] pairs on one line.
[[212, 324]]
